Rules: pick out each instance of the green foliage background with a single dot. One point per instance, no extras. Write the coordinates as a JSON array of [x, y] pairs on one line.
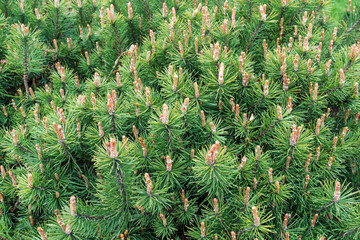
[[90, 126]]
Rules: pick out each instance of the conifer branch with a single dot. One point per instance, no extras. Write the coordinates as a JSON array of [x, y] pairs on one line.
[[25, 77], [298, 12], [81, 16], [169, 139], [266, 130], [348, 65], [120, 179], [132, 30], [118, 42], [56, 23], [147, 10], [65, 148], [6, 8], [17, 203], [223, 222], [253, 35], [351, 232], [318, 9], [250, 9], [324, 207], [21, 148], [352, 27], [2, 238], [34, 5], [113, 123], [90, 217], [78, 150], [282, 12]]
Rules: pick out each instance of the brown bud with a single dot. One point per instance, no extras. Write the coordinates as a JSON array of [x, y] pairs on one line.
[[256, 217], [42, 233], [202, 229], [337, 192], [313, 221], [72, 205], [216, 206]]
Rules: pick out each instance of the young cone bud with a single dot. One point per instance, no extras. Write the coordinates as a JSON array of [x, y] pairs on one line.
[[40, 230], [216, 206], [313, 221], [337, 192], [163, 219], [256, 217], [186, 205], [72, 205], [202, 229], [30, 180], [148, 184]]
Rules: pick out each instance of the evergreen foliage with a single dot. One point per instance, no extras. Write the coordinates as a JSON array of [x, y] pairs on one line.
[[179, 120]]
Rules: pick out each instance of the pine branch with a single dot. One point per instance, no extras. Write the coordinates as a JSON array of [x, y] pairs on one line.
[[266, 130], [223, 223], [117, 38], [332, 90], [89, 217], [351, 232], [115, 64], [65, 148], [348, 66], [34, 5], [318, 9], [81, 16], [15, 206], [250, 9], [352, 27], [169, 139], [120, 177], [259, 101], [25, 77], [324, 207], [2, 238], [39, 188], [38, 26], [253, 35], [6, 8], [282, 12], [244, 230], [298, 11], [147, 10], [132, 30], [113, 123], [56, 23], [21, 148]]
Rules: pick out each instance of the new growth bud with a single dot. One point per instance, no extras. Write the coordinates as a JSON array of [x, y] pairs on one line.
[[256, 217], [148, 184], [337, 192]]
